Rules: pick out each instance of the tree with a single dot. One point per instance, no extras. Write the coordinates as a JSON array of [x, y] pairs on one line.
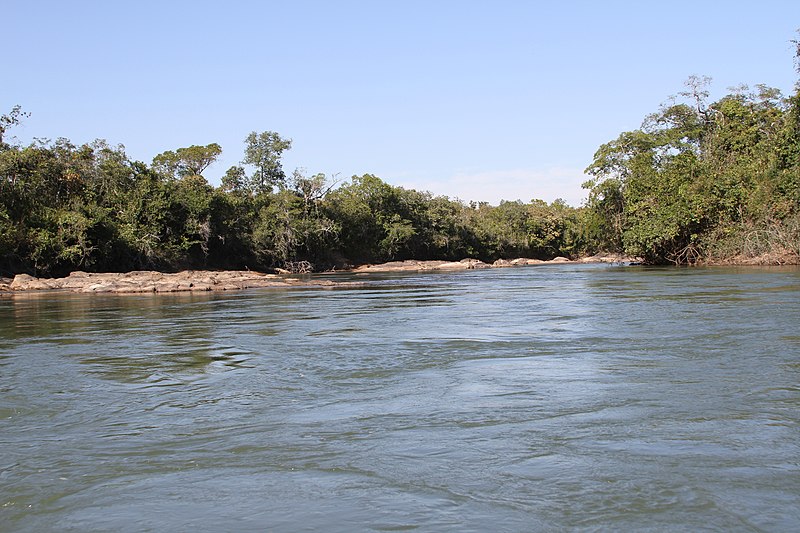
[[361, 207], [288, 231], [235, 180], [12, 118], [264, 151], [190, 161]]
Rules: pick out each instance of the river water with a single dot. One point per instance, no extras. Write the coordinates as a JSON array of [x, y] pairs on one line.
[[548, 398]]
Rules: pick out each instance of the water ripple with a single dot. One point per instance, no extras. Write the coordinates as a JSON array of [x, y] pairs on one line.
[[571, 397]]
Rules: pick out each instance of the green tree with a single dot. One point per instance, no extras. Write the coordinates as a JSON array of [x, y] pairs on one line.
[[355, 207], [9, 120], [190, 161], [235, 181], [264, 151]]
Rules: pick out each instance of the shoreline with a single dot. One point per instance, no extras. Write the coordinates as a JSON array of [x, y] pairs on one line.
[[412, 265], [147, 281]]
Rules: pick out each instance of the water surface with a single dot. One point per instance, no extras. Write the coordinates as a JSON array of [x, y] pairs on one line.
[[558, 397]]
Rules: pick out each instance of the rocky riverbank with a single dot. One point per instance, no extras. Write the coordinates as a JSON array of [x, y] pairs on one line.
[[148, 281], [471, 264], [145, 281]]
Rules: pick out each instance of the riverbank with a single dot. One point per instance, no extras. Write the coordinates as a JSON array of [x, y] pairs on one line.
[[776, 258], [473, 264], [145, 281]]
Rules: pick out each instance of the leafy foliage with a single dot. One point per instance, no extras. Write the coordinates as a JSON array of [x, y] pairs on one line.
[[696, 179], [185, 162], [263, 151]]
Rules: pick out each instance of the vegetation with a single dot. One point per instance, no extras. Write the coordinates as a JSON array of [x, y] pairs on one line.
[[65, 207], [697, 182], [702, 182]]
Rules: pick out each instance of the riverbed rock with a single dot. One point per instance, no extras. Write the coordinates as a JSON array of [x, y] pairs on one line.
[[609, 258], [144, 281], [26, 282], [148, 281], [523, 261], [417, 266]]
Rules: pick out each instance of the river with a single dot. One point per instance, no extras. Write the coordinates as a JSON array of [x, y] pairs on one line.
[[547, 398]]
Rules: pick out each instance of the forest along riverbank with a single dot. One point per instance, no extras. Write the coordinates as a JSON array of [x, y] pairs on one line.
[[144, 281]]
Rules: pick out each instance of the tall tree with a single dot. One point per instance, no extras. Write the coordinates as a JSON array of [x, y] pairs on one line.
[[264, 151], [189, 161]]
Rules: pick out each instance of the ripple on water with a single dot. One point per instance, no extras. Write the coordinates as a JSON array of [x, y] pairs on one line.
[[545, 399]]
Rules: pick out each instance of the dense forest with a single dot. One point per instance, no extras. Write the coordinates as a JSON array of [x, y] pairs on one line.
[[702, 182], [698, 182], [89, 207]]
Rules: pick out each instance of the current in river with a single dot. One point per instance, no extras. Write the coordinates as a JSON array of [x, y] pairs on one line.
[[547, 398]]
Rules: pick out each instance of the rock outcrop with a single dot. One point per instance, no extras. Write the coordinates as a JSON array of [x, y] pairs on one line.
[[417, 266], [468, 264], [609, 258], [144, 281], [148, 281]]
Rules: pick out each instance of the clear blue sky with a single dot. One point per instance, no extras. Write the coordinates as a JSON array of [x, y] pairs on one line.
[[472, 99]]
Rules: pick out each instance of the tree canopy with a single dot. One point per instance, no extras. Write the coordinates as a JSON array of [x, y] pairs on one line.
[[190, 161], [698, 181], [701, 181]]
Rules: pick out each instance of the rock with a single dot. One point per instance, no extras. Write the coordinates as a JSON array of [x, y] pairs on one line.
[[609, 258], [417, 266], [95, 287], [143, 281], [25, 282], [149, 281], [474, 263], [452, 265]]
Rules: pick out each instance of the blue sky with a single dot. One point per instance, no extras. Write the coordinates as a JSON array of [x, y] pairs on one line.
[[471, 99]]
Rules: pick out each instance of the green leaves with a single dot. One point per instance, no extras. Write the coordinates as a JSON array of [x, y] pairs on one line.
[[264, 151], [190, 161], [9, 120], [693, 174]]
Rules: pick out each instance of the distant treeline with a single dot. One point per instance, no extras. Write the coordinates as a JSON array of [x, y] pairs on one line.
[[698, 182], [89, 207]]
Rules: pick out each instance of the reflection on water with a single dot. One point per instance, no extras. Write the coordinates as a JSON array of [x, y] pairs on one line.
[[143, 338], [545, 398]]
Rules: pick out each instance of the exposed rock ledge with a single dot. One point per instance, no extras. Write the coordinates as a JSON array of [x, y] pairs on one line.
[[470, 264], [144, 281], [416, 266], [148, 281]]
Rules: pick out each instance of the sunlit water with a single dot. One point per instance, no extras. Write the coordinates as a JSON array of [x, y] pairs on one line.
[[535, 399]]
